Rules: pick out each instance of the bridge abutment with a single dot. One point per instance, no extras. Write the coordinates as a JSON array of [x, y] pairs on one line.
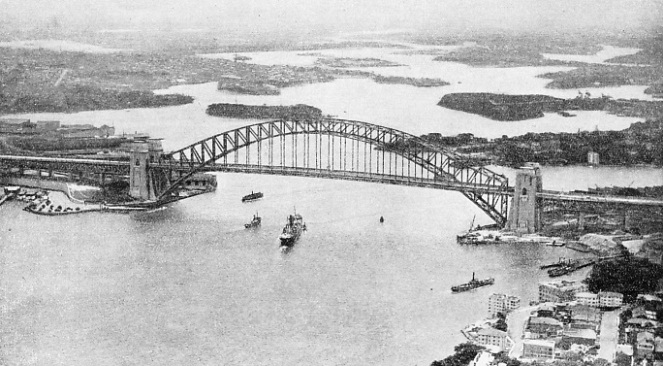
[[524, 214]]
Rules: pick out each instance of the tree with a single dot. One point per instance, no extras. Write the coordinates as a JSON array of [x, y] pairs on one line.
[[463, 354], [622, 359]]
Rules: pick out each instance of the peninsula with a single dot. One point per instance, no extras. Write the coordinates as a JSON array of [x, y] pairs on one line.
[[503, 107]]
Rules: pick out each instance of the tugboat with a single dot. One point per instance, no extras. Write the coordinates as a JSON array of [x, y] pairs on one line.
[[292, 231], [474, 283], [255, 222], [252, 196]]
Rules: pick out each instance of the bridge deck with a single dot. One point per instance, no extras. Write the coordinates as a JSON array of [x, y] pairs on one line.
[[38, 162]]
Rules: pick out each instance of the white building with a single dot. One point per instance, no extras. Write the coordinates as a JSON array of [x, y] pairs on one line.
[[501, 303], [603, 299], [493, 337], [610, 299], [588, 299], [561, 291], [593, 158]]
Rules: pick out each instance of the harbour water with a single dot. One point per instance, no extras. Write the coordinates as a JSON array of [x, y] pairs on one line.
[[188, 285]]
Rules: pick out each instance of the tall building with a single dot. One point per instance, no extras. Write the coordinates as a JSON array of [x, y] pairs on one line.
[[561, 291], [501, 303]]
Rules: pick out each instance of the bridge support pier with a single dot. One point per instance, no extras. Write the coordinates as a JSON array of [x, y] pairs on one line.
[[141, 180], [525, 213]]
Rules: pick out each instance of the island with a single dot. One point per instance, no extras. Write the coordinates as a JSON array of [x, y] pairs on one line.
[[294, 112], [418, 82], [346, 62]]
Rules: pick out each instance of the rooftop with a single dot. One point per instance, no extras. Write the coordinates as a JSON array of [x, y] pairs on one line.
[[539, 342], [564, 284], [490, 331]]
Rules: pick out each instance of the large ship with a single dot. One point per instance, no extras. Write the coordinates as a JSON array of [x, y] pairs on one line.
[[474, 283], [292, 231], [252, 196]]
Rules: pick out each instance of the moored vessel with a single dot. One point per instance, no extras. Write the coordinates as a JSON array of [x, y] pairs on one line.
[[252, 197], [474, 283]]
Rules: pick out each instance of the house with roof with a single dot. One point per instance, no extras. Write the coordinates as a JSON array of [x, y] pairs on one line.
[[658, 348], [585, 337], [543, 327], [645, 344], [538, 349], [583, 316], [643, 313]]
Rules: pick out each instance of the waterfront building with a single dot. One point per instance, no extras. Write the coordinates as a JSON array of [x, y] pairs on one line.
[[538, 349], [593, 158], [490, 336], [560, 291], [501, 303]]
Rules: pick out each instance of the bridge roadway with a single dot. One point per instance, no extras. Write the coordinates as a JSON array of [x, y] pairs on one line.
[[122, 167]]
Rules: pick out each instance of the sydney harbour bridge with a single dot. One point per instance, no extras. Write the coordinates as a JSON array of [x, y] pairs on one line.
[[323, 148]]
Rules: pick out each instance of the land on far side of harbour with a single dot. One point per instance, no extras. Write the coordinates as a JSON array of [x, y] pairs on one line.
[[640, 144], [503, 107], [42, 80]]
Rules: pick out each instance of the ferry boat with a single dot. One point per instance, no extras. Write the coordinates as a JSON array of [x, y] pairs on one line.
[[474, 283], [292, 230], [252, 196], [255, 222]]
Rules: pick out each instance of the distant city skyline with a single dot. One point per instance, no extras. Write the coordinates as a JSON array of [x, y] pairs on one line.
[[313, 16]]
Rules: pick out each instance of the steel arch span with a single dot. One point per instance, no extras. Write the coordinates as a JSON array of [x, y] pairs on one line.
[[337, 149]]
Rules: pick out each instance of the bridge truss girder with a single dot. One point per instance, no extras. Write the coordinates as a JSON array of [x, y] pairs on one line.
[[491, 192]]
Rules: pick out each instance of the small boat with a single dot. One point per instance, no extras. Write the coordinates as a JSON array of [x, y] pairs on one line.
[[292, 230], [252, 197], [381, 219], [255, 222], [474, 283]]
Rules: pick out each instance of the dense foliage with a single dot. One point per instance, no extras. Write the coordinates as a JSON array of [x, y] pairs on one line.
[[629, 276], [463, 354]]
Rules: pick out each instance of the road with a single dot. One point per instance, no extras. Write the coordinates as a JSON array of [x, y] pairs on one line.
[[516, 321], [609, 335]]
